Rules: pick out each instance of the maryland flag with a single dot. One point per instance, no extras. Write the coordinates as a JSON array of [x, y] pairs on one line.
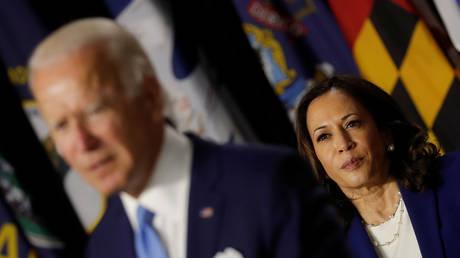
[[394, 49]]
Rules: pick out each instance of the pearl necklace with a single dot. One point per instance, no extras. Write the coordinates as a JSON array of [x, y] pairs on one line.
[[398, 226]]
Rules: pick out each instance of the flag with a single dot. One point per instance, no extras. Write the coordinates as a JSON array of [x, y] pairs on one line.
[[190, 103], [394, 49], [51, 227], [449, 11], [298, 42], [21, 231], [439, 31]]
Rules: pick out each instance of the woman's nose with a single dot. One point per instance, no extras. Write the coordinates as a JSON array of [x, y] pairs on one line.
[[343, 142]]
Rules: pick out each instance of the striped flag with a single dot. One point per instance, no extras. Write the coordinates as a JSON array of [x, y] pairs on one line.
[[394, 49]]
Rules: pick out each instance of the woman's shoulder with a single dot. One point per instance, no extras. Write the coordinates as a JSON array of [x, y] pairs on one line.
[[449, 166], [450, 162]]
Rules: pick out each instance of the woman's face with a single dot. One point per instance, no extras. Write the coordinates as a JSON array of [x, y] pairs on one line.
[[347, 141]]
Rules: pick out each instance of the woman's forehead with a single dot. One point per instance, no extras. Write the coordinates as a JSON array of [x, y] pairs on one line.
[[333, 106]]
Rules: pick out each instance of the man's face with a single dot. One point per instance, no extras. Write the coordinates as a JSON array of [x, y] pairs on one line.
[[110, 138]]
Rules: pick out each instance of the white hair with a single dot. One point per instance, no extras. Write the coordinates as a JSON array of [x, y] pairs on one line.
[[129, 57]]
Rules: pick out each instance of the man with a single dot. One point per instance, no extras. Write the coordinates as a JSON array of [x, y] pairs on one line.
[[98, 93]]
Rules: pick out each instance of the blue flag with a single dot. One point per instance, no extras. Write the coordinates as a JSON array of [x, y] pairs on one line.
[[22, 234], [25, 233], [298, 42]]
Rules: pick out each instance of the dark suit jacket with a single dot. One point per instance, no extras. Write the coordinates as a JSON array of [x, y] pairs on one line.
[[434, 214], [266, 204]]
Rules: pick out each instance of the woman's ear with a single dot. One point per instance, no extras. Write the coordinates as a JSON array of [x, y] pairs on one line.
[[388, 141]]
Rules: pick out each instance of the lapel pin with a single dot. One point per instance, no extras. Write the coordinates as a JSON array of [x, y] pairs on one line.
[[206, 212]]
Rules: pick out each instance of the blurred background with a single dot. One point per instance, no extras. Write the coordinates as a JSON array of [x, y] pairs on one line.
[[232, 71]]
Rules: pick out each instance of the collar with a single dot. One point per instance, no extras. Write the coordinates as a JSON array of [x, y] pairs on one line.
[[166, 193], [422, 210]]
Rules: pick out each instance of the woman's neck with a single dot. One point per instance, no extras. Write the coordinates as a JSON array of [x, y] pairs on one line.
[[376, 203]]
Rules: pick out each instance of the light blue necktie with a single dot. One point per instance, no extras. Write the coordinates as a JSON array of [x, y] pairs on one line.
[[146, 239]]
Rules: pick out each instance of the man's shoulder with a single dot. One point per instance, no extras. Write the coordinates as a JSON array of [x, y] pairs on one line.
[[241, 152], [249, 161], [250, 167]]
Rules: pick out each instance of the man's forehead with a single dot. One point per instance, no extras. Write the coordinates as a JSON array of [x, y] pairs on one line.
[[100, 68], [94, 63]]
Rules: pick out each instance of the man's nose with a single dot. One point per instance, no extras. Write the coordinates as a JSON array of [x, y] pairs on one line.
[[84, 138]]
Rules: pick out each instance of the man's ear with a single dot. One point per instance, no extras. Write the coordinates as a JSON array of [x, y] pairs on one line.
[[153, 97]]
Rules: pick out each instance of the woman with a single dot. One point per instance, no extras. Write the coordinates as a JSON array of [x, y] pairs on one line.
[[397, 197]]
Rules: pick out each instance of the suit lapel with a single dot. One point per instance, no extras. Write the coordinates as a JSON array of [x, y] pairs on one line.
[[113, 237], [205, 205], [359, 241], [422, 208]]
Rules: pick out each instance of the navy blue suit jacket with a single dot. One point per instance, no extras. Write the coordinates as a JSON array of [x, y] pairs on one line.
[[266, 204], [434, 214]]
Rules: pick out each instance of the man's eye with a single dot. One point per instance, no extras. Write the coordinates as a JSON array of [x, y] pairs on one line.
[[322, 137], [95, 109], [60, 126]]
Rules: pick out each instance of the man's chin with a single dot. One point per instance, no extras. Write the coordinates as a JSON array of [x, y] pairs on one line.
[[108, 191], [108, 187]]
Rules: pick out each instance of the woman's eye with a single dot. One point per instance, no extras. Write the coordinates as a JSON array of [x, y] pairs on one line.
[[353, 123], [322, 137]]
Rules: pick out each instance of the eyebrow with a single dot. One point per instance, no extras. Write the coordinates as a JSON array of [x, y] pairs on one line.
[[343, 118]]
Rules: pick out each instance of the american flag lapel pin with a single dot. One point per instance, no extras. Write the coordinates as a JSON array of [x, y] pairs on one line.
[[207, 212]]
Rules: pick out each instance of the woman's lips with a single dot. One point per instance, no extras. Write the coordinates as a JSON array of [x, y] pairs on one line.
[[352, 163]]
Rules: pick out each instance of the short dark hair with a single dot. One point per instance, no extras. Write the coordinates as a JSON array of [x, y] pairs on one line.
[[413, 161]]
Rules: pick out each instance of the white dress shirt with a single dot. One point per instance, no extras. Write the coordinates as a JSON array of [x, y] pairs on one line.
[[167, 193], [404, 246]]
